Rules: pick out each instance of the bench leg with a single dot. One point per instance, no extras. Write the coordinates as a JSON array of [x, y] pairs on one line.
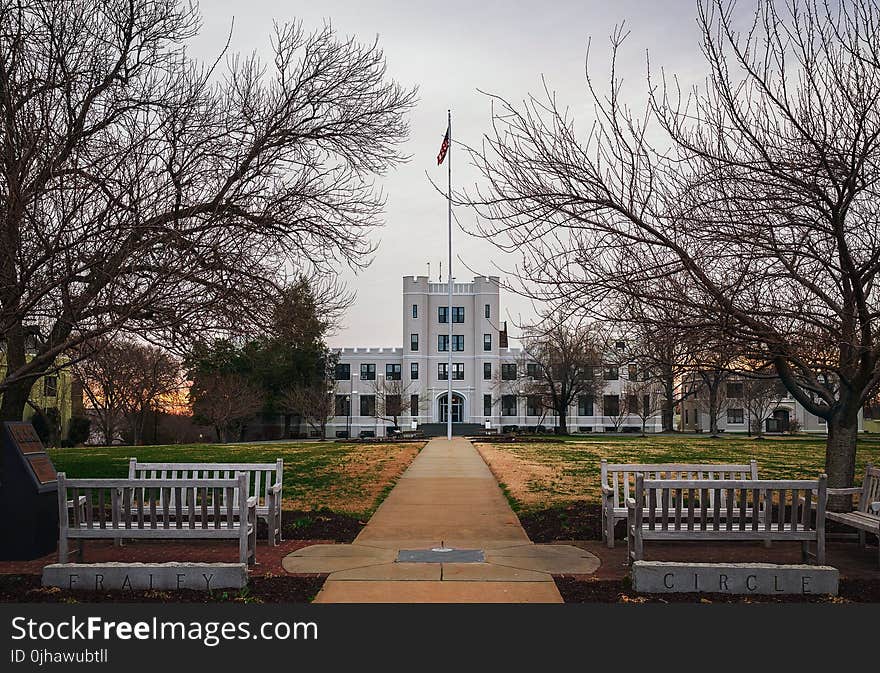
[[81, 551], [278, 524], [62, 549], [608, 532], [863, 539], [805, 551]]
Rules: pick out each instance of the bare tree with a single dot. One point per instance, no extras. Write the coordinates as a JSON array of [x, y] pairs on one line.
[[712, 360], [616, 409], [761, 397], [394, 399], [226, 402], [644, 399], [151, 382], [564, 357], [143, 191], [125, 382], [98, 368], [314, 403], [757, 191]]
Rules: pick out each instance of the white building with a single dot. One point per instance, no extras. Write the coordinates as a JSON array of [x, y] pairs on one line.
[[487, 376], [785, 412]]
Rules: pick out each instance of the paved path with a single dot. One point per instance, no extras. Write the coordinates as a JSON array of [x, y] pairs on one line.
[[448, 497]]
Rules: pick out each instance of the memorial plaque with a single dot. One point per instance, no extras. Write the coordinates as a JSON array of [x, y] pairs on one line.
[[28, 495], [43, 469]]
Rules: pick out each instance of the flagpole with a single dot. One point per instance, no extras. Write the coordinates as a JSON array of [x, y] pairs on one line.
[[449, 309]]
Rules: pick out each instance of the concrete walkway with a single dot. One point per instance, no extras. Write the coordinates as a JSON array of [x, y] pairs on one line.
[[447, 498]]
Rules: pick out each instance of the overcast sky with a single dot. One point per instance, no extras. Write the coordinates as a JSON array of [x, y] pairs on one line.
[[451, 49]]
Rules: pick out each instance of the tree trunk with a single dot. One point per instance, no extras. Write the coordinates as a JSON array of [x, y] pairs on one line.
[[562, 423], [713, 411], [668, 414], [15, 399], [840, 459]]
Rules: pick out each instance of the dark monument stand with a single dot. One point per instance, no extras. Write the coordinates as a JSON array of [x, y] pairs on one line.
[[28, 495]]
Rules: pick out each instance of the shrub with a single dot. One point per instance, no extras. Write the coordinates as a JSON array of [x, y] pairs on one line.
[[79, 430]]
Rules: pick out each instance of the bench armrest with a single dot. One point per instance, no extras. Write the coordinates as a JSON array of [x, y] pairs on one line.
[[844, 491], [252, 502], [607, 491], [275, 488], [630, 503]]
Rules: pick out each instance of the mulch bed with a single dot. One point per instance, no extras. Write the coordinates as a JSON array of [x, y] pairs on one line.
[[322, 524], [579, 521], [260, 589]]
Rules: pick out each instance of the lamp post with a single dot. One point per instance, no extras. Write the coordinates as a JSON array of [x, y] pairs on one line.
[[381, 387]]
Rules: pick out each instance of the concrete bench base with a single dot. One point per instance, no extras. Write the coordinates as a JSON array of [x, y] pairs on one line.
[[658, 577], [145, 576]]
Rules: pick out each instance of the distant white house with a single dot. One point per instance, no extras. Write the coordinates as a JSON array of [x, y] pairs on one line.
[[786, 412]]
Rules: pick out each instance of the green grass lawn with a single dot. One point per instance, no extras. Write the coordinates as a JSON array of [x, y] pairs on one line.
[[342, 476], [542, 474]]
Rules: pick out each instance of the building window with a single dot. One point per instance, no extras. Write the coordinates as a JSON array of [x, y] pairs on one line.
[[393, 406], [533, 405], [611, 405], [735, 416], [508, 372], [458, 343], [442, 370], [632, 372], [392, 372], [487, 342], [686, 421], [508, 405], [442, 314], [442, 342], [458, 371], [343, 372], [735, 390], [414, 342], [611, 373], [414, 405], [532, 370], [585, 405], [620, 345], [415, 310], [368, 372], [632, 404], [414, 371], [368, 405], [343, 405], [487, 403], [458, 314], [487, 371], [50, 386], [488, 312]]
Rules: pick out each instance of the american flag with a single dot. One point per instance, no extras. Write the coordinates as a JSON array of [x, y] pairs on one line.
[[444, 148]]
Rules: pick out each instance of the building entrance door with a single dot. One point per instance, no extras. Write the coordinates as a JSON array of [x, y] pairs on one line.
[[457, 408]]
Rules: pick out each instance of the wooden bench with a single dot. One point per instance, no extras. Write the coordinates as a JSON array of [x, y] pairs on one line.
[[134, 509], [618, 481], [865, 518], [264, 483], [693, 509]]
